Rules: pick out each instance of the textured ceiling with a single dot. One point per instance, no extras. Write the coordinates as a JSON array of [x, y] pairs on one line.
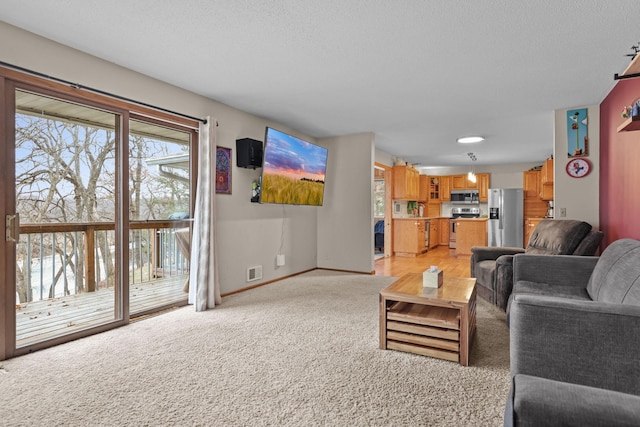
[[417, 73]]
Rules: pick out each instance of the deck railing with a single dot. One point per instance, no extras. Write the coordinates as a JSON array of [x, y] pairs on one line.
[[55, 260]]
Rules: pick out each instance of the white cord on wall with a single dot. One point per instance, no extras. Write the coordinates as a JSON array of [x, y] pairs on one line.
[[282, 233]]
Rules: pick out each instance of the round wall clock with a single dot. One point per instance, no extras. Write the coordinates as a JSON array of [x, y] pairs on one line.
[[578, 168]]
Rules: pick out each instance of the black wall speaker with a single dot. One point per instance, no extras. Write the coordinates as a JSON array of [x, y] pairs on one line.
[[248, 153]]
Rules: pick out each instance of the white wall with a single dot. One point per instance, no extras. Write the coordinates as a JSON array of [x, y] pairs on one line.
[[345, 221], [383, 158], [248, 234], [579, 196]]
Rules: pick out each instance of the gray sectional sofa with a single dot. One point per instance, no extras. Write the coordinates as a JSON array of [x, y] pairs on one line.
[[493, 266], [575, 338]]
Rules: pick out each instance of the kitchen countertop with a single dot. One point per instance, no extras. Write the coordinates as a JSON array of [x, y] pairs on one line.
[[420, 217], [471, 219]]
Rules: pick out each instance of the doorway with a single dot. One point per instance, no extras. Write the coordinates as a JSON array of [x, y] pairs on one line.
[[382, 211]]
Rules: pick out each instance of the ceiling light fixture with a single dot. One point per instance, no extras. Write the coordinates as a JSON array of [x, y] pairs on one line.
[[471, 176], [470, 139]]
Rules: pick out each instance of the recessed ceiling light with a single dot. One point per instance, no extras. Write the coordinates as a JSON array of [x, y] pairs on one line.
[[470, 139]]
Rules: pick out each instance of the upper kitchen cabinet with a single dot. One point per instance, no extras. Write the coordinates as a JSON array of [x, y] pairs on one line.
[[546, 175], [483, 186], [434, 189], [546, 180], [531, 184], [470, 185], [424, 188], [462, 182], [458, 182], [445, 188], [406, 183]]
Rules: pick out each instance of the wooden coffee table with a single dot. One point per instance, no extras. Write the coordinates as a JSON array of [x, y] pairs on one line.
[[428, 321]]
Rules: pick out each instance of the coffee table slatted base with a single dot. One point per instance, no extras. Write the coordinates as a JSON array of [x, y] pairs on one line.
[[423, 351], [425, 330], [437, 323]]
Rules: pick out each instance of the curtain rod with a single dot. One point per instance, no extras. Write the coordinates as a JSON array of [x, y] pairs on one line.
[[101, 92]]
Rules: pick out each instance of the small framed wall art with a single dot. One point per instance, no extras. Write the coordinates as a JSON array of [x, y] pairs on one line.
[[223, 170], [577, 135]]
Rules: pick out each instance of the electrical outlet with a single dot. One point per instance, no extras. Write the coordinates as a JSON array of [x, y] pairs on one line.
[[280, 260], [563, 212]]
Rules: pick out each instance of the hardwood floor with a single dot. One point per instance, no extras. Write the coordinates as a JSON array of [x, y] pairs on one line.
[[445, 258]]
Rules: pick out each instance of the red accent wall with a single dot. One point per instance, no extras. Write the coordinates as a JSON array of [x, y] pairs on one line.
[[619, 166]]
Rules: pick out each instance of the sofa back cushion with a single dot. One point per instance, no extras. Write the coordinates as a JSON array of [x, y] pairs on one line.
[[616, 276], [589, 245], [557, 236]]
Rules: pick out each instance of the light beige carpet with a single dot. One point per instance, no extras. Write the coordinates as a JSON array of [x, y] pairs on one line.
[[299, 352]]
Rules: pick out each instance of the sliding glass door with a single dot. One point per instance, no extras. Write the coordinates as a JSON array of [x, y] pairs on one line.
[[67, 272], [97, 203], [159, 215]]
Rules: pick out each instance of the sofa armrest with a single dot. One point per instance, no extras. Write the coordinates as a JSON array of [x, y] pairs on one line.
[[535, 401], [483, 253], [489, 253], [554, 269], [504, 280], [581, 342]]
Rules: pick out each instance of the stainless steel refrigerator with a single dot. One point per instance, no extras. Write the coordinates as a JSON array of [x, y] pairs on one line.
[[506, 222]]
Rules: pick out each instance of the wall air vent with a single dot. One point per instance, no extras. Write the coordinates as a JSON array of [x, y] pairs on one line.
[[254, 273]]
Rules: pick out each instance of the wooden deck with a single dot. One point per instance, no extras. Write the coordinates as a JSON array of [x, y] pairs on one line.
[[37, 321]]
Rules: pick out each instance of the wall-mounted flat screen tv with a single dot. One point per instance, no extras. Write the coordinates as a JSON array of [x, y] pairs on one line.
[[293, 170]]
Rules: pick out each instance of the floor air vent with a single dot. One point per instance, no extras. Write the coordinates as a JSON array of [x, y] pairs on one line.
[[254, 273]]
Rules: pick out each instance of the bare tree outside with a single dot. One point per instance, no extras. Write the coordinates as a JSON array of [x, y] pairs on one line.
[[66, 174]]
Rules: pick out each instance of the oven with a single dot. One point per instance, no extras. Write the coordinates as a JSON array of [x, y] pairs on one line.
[[459, 213]]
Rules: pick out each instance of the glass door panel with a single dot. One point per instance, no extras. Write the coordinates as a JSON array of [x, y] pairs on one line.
[[66, 199], [159, 213]]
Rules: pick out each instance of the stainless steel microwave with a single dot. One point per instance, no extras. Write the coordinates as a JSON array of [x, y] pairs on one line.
[[464, 196]]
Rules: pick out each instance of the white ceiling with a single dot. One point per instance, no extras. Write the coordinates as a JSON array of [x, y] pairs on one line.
[[417, 73]]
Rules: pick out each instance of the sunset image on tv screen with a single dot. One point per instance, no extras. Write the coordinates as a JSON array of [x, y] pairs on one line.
[[293, 170]]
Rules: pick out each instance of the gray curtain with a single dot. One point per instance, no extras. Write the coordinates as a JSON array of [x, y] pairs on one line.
[[204, 290]]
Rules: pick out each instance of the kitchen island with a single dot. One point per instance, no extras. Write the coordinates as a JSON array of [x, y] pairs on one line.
[[470, 232], [413, 236]]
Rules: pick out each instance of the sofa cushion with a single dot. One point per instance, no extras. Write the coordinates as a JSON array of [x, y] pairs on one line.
[[589, 245], [536, 401], [535, 288], [616, 276], [557, 237]]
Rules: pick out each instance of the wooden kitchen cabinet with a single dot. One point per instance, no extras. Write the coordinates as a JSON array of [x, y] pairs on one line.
[[434, 233], [534, 206], [409, 236], [546, 174], [434, 188], [470, 185], [423, 188], [444, 231], [406, 183], [445, 188], [546, 180], [433, 209], [458, 182], [546, 193], [531, 184], [470, 232], [461, 182], [483, 187]]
